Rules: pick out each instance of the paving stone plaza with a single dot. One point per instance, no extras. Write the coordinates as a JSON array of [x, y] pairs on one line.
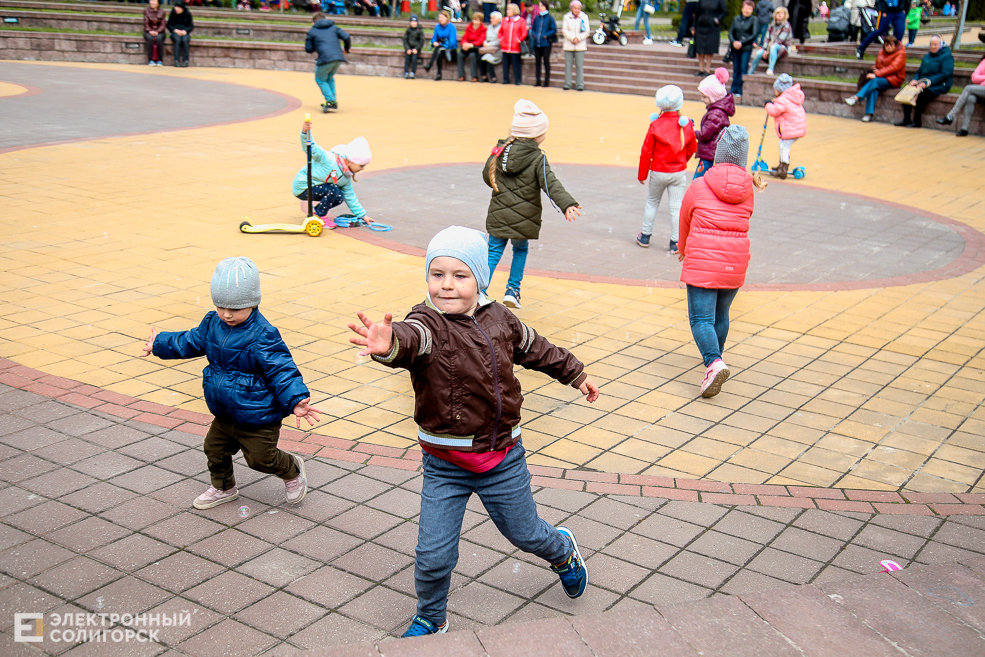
[[850, 433]]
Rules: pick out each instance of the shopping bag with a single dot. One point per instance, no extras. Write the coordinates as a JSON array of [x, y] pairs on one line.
[[908, 95]]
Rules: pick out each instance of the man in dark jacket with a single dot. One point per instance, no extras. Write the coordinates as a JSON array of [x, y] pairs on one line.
[[892, 13], [764, 16], [741, 35], [324, 39], [413, 44]]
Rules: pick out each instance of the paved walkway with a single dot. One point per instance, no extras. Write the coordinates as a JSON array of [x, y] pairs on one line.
[[92, 103], [96, 517], [803, 237], [850, 385]]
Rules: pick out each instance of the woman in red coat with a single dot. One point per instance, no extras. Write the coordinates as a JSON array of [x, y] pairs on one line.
[[512, 32], [714, 247], [888, 73], [475, 36]]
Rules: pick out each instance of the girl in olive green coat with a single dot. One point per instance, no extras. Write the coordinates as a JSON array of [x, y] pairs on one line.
[[517, 170]]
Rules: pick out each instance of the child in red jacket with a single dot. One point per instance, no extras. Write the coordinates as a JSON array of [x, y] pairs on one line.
[[668, 145]]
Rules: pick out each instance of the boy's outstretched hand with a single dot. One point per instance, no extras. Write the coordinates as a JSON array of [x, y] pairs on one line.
[[573, 213], [589, 389], [377, 338], [309, 413], [149, 347]]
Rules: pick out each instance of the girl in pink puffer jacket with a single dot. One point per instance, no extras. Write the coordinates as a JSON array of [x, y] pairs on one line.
[[714, 247], [787, 110]]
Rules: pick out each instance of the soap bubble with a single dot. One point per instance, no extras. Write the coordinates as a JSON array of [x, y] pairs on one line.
[[244, 511], [99, 603]]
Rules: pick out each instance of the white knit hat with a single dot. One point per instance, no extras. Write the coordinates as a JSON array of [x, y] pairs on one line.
[[356, 151], [670, 98], [528, 120]]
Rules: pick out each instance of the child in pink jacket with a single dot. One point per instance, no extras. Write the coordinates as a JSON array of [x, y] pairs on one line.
[[714, 247], [787, 110]]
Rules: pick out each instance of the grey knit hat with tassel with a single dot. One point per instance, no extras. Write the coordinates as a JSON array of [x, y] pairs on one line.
[[733, 146], [236, 284]]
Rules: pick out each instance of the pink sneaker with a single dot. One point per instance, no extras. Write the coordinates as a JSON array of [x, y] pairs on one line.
[[716, 374], [214, 497], [297, 487]]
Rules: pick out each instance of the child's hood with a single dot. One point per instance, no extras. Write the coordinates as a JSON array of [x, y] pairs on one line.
[[517, 156], [729, 182], [794, 95], [726, 104], [324, 24]]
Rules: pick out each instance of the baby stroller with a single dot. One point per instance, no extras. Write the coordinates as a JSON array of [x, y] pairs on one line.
[[609, 30], [839, 23]]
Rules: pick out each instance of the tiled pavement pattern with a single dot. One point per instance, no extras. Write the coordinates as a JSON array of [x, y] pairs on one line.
[[864, 389], [95, 516], [115, 102], [800, 235], [928, 610]]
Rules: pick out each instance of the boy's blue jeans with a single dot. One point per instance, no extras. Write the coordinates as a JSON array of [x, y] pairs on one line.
[[911, 36], [707, 311], [870, 92], [520, 249], [505, 492], [325, 77]]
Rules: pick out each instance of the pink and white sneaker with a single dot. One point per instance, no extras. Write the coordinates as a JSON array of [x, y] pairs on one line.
[[716, 374], [214, 497], [297, 487]]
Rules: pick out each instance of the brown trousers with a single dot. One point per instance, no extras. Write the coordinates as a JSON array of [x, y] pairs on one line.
[[259, 445]]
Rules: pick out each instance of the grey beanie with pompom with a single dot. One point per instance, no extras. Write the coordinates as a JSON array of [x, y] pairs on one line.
[[733, 146]]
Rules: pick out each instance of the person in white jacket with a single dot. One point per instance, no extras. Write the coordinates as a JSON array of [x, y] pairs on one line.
[[577, 30]]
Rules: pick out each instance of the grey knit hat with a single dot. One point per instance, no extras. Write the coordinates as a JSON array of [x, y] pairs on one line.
[[236, 284], [733, 146], [466, 244], [783, 82]]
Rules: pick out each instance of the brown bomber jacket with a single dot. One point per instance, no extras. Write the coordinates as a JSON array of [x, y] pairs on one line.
[[466, 395]]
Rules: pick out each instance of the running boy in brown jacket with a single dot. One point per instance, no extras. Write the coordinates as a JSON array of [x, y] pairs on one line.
[[460, 349]]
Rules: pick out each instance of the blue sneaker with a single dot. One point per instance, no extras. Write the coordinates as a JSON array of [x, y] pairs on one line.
[[573, 573], [422, 627]]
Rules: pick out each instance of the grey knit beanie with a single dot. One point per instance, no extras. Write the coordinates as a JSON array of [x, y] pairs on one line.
[[236, 284], [783, 82], [466, 244], [733, 146]]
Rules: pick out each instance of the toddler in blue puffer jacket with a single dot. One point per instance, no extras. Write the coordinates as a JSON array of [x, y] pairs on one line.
[[251, 384]]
